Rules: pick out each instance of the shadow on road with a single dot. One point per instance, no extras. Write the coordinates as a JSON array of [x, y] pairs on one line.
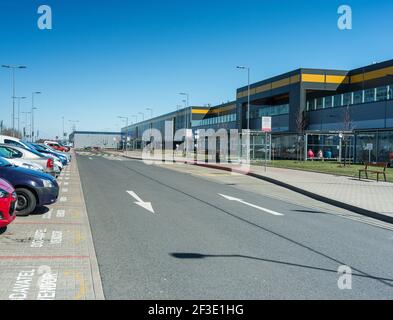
[[189, 255], [3, 230]]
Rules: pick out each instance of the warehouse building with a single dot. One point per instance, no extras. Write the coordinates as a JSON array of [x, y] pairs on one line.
[[343, 113], [94, 139]]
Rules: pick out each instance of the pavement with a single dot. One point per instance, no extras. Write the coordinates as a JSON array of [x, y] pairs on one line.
[[365, 197], [162, 232], [50, 254]]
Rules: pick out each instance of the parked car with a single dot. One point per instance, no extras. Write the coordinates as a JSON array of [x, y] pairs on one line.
[[8, 200], [65, 158], [57, 146], [12, 157], [33, 156], [33, 189], [13, 141]]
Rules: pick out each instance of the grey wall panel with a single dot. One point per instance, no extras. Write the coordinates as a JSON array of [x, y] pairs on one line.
[[103, 141]]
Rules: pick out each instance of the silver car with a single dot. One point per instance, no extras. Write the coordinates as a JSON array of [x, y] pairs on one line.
[[29, 155]]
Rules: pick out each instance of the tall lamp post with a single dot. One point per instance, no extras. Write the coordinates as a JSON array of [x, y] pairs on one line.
[[248, 93], [13, 67], [19, 99], [27, 126], [187, 102], [125, 118], [389, 97], [32, 113]]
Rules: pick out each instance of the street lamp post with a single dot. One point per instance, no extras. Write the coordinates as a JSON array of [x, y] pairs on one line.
[[27, 127], [13, 67], [248, 94], [143, 115], [187, 102], [389, 96], [19, 99], [151, 112], [125, 118], [32, 113]]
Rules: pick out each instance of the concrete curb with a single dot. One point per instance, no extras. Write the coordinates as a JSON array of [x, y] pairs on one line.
[[336, 203], [315, 196], [95, 271]]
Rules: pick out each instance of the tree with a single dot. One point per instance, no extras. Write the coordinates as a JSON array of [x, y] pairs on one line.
[[301, 124], [348, 127], [11, 132]]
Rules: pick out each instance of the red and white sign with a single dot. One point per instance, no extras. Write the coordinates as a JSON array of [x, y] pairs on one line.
[[266, 124]]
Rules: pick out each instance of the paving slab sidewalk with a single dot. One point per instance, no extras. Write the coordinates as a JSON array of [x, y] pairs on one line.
[[50, 254], [366, 197]]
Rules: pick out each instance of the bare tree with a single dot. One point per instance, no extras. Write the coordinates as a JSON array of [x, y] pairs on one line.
[[348, 127], [11, 132], [301, 124]]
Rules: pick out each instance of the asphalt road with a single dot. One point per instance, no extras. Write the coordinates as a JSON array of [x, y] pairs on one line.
[[200, 245]]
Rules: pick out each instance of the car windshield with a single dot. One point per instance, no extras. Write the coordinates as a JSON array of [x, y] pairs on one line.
[[4, 163]]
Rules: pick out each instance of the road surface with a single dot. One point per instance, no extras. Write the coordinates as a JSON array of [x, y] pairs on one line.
[[164, 234]]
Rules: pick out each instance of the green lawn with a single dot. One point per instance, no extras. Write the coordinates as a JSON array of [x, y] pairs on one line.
[[326, 167]]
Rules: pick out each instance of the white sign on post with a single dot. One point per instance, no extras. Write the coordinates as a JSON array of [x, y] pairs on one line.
[[266, 124]]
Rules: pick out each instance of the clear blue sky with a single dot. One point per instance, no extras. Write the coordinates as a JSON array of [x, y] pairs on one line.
[[108, 58]]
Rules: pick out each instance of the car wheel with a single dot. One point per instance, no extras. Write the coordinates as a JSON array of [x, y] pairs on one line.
[[26, 202]]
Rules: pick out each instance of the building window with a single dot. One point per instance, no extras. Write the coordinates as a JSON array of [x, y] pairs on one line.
[[369, 95], [347, 98], [382, 93], [338, 100], [329, 102], [320, 103], [358, 97]]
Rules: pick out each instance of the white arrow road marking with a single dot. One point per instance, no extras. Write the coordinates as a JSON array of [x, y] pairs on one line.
[[140, 202], [251, 205]]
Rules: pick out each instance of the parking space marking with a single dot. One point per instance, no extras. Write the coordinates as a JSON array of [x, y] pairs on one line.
[[39, 238], [47, 215], [57, 237], [60, 213], [22, 285]]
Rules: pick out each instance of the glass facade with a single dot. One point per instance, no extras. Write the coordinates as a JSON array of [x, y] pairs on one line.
[[349, 98], [215, 120], [257, 112]]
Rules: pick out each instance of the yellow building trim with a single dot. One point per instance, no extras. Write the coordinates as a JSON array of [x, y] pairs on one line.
[[336, 79], [317, 78], [371, 75], [200, 111]]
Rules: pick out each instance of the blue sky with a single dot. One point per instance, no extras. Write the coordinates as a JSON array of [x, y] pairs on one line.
[[108, 58]]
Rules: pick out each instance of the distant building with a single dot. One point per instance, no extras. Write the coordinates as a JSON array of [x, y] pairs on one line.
[[318, 105], [94, 139]]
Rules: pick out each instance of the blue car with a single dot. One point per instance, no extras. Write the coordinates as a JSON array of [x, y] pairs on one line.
[[45, 151], [33, 188]]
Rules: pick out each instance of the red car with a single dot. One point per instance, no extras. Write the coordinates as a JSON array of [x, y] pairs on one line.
[[57, 146], [8, 200]]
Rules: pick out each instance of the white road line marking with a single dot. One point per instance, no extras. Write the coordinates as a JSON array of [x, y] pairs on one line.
[[65, 190], [63, 199], [251, 205], [66, 183], [140, 202]]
